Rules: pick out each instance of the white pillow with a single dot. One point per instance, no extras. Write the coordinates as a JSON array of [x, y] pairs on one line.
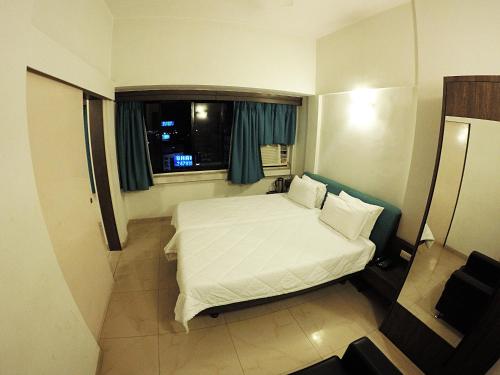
[[374, 211], [320, 190], [302, 192], [345, 218]]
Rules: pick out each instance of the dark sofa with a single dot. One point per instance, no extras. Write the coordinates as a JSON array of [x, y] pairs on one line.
[[469, 291], [361, 357]]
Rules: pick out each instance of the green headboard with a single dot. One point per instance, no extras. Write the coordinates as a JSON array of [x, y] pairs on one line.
[[387, 223]]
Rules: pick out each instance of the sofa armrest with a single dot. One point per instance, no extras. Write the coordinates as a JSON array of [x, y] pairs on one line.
[[329, 366], [463, 301], [483, 268], [363, 357], [468, 287]]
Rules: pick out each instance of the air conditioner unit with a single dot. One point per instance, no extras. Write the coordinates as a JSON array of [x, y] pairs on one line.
[[274, 155]]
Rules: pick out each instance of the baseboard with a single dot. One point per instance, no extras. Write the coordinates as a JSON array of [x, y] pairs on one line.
[[124, 243], [103, 319], [99, 362], [149, 219]]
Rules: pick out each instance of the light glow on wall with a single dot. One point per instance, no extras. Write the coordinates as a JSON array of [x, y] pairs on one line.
[[362, 108], [463, 135]]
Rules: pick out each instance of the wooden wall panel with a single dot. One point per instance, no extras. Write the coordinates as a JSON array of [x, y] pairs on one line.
[[479, 100]]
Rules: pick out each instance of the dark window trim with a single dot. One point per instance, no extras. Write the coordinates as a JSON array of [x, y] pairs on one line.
[[205, 95]]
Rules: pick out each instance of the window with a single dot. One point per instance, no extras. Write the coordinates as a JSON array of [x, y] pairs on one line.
[[188, 136]]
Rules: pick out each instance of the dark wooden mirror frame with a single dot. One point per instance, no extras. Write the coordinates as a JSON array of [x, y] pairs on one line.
[[469, 97]]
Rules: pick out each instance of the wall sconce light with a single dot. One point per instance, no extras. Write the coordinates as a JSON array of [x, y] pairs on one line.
[[362, 108]]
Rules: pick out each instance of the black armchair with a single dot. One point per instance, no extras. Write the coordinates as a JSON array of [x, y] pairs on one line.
[[361, 357], [469, 291]]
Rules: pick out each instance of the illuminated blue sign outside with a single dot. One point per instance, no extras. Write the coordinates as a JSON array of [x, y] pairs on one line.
[[167, 123], [165, 136], [182, 161]]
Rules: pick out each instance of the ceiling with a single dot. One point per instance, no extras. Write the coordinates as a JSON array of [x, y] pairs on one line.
[[308, 18]]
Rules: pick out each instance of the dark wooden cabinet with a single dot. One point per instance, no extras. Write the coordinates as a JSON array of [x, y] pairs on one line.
[[386, 282]]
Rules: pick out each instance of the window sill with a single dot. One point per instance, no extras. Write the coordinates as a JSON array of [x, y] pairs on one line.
[[217, 175]]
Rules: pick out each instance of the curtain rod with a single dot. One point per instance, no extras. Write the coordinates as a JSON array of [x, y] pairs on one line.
[[153, 95]]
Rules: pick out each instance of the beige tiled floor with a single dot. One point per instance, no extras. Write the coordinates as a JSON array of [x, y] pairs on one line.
[[140, 336], [424, 285]]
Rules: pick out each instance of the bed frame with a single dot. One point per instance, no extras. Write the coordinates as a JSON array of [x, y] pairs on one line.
[[216, 310], [384, 230]]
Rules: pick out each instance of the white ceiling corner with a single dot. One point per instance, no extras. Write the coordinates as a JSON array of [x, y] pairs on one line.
[[307, 18]]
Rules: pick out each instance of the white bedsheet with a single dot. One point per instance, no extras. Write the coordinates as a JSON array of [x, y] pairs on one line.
[[220, 211], [224, 264]]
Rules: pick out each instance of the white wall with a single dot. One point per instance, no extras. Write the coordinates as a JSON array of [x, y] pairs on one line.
[[71, 40], [455, 37], [367, 144], [165, 51], [83, 27], [161, 199], [376, 52], [43, 331], [477, 216]]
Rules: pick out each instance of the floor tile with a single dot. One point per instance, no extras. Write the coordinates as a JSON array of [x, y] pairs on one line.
[[131, 314], [254, 311], [330, 323], [402, 362], [270, 307], [142, 248], [367, 312], [201, 352], [144, 228], [272, 344], [136, 275], [167, 273], [167, 323], [130, 356]]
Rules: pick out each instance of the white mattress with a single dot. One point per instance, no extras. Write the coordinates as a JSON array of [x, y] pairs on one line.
[[221, 211], [236, 262]]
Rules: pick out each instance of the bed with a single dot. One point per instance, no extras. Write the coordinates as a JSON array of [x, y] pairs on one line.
[[259, 247], [222, 211]]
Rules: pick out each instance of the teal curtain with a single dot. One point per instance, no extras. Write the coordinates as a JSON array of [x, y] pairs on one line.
[[277, 123], [131, 147], [255, 125], [245, 162]]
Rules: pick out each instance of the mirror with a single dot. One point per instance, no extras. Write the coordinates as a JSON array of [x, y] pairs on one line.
[[446, 286]]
